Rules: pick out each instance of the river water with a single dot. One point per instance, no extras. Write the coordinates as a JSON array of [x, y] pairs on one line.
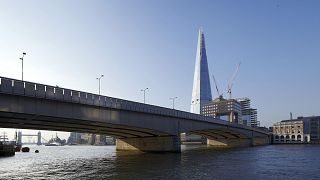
[[103, 162]]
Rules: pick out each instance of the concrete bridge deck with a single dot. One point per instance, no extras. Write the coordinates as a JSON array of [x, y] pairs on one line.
[[136, 126]]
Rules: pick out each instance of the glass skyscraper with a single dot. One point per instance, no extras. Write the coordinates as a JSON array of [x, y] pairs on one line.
[[201, 92]]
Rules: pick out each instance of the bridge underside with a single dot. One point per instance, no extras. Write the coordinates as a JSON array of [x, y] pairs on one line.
[[27, 121], [220, 133], [128, 138]]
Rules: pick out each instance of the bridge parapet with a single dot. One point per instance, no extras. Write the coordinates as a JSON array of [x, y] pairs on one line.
[[36, 90]]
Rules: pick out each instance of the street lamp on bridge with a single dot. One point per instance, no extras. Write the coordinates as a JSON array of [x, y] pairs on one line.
[[144, 94], [23, 54], [173, 98], [99, 78]]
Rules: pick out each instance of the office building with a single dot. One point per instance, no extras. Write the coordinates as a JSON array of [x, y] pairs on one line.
[[249, 115], [201, 91], [225, 109], [315, 129]]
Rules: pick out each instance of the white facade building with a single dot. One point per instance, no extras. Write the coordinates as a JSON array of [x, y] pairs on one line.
[[290, 131]]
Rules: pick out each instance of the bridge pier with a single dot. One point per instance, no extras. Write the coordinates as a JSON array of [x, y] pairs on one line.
[[257, 141], [39, 138], [240, 142], [150, 144], [229, 143]]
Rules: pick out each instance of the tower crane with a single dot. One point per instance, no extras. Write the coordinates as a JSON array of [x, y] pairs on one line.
[[233, 77], [215, 83]]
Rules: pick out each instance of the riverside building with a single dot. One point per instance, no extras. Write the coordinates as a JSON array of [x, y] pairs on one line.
[[300, 130], [290, 131]]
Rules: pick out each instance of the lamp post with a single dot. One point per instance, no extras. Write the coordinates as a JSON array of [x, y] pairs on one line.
[[144, 94], [194, 102], [23, 54], [99, 78], [173, 98]]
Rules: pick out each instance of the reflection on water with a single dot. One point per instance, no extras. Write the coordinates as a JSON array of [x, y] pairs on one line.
[[103, 162]]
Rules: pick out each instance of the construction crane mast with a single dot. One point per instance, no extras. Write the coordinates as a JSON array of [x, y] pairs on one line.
[[215, 83], [233, 77]]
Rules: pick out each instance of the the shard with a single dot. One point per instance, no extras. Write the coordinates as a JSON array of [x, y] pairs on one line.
[[201, 92]]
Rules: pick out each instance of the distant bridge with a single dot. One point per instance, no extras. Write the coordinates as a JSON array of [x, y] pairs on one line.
[[137, 126], [38, 135]]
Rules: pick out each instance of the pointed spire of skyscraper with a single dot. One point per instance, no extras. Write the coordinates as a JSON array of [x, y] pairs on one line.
[[201, 92]]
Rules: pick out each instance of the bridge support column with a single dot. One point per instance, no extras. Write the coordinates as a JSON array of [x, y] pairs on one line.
[[39, 138], [257, 141], [150, 144], [229, 143], [241, 142], [19, 137]]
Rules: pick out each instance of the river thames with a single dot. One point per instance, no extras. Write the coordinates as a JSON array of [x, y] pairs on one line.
[[103, 162]]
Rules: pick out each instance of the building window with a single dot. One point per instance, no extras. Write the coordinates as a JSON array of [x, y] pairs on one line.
[[287, 138], [293, 138], [299, 137]]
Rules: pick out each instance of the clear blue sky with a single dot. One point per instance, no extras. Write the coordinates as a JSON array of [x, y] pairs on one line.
[[138, 44]]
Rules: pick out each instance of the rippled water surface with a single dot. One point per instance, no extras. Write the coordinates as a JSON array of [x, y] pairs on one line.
[[103, 162]]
